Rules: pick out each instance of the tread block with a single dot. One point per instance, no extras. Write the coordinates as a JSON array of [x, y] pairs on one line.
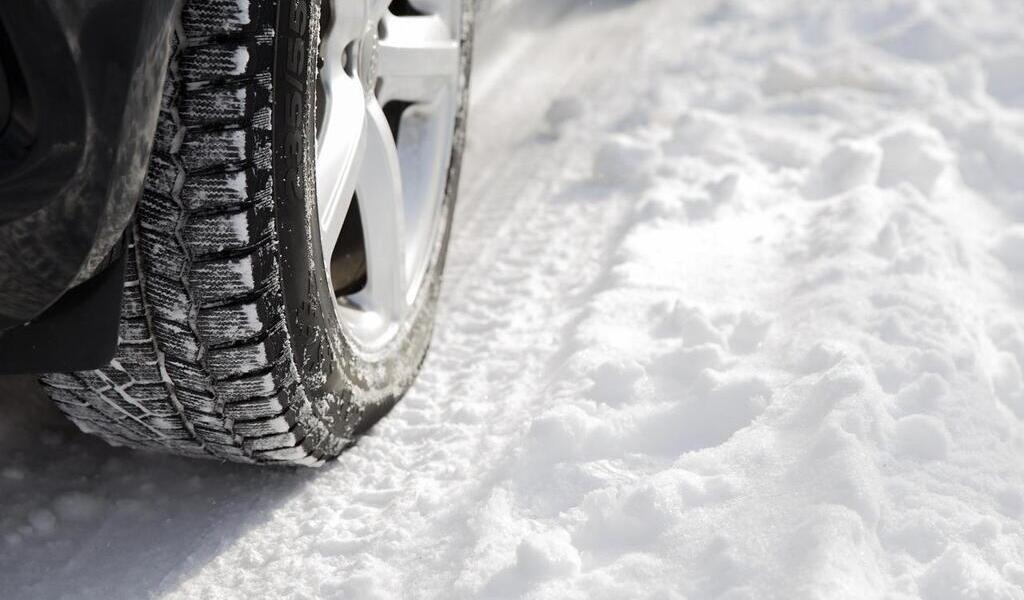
[[119, 416], [186, 375], [77, 411], [167, 138], [64, 381], [257, 408], [235, 452], [115, 376], [66, 398], [277, 441], [264, 427], [219, 190], [223, 105], [208, 421], [134, 331], [176, 340], [262, 119], [228, 362], [208, 18], [295, 454], [161, 253], [252, 386], [162, 176], [229, 324], [231, 277], [225, 60], [214, 435], [213, 149], [144, 368], [196, 401], [167, 300], [215, 281], [169, 94], [94, 381], [155, 393], [158, 212], [131, 300], [215, 234]]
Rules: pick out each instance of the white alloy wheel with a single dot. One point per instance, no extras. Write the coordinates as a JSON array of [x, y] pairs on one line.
[[386, 66]]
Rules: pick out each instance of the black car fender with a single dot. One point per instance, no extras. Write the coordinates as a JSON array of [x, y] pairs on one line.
[[82, 87]]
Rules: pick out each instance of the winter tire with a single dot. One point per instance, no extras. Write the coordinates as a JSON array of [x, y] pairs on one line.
[[285, 259]]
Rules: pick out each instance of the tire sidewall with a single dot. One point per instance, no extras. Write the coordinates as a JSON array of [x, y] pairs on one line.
[[346, 390]]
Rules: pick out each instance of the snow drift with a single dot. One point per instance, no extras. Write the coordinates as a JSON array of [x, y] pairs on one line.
[[734, 311]]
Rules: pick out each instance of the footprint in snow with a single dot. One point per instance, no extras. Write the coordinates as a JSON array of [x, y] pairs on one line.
[[561, 112], [1002, 76], [850, 164], [920, 437], [614, 380], [914, 154], [923, 395], [625, 161], [749, 333], [1009, 248], [720, 406], [679, 320], [927, 38]]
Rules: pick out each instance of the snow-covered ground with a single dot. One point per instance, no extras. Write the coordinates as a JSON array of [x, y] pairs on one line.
[[735, 310]]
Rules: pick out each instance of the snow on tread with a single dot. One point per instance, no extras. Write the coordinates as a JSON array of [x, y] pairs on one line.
[[202, 325]]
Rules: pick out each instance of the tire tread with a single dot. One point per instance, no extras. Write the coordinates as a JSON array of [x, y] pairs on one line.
[[202, 368]]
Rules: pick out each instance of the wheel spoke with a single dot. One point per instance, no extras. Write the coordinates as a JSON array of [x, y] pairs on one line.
[[340, 161], [371, 56], [379, 188], [418, 58], [347, 24], [449, 10], [376, 9]]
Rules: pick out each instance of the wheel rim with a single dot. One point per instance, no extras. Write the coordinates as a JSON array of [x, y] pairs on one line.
[[387, 102]]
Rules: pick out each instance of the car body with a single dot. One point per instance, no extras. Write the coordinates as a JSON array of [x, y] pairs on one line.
[[80, 89]]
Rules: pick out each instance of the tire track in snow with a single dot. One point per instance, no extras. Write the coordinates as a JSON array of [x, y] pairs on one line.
[[527, 242]]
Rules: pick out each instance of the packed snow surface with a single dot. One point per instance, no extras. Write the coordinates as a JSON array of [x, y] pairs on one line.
[[735, 309]]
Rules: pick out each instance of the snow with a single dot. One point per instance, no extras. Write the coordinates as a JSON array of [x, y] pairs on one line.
[[733, 311]]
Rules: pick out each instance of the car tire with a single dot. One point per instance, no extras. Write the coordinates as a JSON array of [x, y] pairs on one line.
[[231, 346]]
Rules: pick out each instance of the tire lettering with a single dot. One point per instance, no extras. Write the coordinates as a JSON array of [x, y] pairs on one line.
[[294, 109], [298, 17], [296, 56]]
